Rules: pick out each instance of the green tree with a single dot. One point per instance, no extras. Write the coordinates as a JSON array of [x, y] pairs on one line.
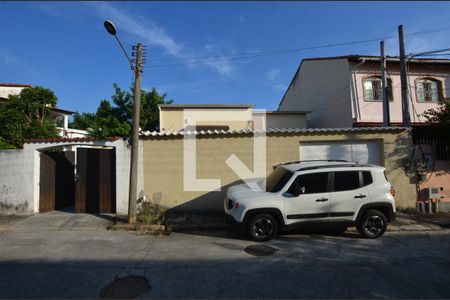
[[116, 119], [27, 115], [439, 119]]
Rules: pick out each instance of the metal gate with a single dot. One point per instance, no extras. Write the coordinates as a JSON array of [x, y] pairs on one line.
[[95, 181]]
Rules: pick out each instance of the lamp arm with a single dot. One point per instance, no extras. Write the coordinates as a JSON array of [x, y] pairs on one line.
[[125, 52]]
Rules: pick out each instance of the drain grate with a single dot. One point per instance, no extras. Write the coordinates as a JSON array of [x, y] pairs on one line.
[[260, 250], [127, 287]]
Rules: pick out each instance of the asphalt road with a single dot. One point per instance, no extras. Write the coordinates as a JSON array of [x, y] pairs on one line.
[[65, 263]]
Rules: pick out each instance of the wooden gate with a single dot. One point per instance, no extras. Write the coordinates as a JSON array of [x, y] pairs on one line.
[[57, 189], [95, 181], [47, 183]]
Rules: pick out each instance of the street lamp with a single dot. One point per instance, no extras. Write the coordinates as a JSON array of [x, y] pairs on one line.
[[132, 199], [111, 28]]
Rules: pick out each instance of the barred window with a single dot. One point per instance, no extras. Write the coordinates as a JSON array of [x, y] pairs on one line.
[[373, 89], [428, 90]]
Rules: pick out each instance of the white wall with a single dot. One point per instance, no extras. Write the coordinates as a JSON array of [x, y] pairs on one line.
[[16, 182], [265, 120], [5, 91], [20, 174], [286, 120], [322, 87]]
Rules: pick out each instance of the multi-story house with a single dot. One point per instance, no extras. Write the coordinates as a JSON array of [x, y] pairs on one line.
[[61, 115], [345, 91]]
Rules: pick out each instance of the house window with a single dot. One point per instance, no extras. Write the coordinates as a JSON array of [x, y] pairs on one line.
[[428, 90], [373, 89]]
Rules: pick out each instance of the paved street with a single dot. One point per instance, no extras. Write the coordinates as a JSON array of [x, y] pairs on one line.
[[76, 261]]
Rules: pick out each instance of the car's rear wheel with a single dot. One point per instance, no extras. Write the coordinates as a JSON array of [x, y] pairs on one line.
[[262, 227], [372, 225]]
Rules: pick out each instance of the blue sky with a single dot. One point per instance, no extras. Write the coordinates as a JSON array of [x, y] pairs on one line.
[[63, 45]]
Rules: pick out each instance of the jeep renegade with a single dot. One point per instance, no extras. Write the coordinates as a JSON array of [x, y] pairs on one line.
[[334, 194]]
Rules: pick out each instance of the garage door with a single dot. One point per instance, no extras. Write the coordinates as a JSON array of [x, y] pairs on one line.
[[357, 151]]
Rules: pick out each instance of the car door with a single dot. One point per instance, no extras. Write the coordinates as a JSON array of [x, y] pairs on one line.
[[347, 196], [308, 198]]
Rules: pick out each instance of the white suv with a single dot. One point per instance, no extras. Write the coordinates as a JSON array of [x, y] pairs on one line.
[[335, 194]]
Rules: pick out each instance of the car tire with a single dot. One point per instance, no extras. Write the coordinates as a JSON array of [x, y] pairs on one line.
[[262, 227], [372, 225]]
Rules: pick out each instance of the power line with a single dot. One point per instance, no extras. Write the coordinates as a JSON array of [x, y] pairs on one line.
[[429, 53], [249, 55]]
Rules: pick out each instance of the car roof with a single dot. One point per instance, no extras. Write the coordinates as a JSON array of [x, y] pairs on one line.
[[319, 164]]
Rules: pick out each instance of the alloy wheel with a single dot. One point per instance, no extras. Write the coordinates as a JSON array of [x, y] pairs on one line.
[[374, 225], [263, 227]]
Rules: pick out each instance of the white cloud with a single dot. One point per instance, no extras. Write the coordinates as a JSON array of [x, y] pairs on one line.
[[415, 43], [280, 87], [152, 34], [211, 47], [146, 30], [9, 58], [218, 62], [273, 74], [222, 66], [50, 10]]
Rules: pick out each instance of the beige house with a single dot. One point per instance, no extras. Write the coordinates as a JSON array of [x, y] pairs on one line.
[[176, 117], [345, 91]]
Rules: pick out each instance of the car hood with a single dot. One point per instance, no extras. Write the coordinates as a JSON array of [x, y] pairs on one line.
[[243, 191]]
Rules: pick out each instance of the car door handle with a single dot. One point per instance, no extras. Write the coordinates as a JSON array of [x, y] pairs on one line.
[[360, 196], [321, 200]]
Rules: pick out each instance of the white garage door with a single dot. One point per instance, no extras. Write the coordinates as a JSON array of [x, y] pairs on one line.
[[356, 151]]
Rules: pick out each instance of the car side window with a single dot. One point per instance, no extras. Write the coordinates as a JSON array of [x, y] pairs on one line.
[[346, 181], [367, 177], [312, 183]]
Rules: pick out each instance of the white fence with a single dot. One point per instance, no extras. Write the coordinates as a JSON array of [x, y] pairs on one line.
[[20, 174]]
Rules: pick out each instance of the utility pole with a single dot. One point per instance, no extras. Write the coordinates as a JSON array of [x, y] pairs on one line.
[[404, 80], [386, 115], [135, 136]]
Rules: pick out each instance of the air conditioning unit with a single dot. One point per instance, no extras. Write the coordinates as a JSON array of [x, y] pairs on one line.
[[432, 192]]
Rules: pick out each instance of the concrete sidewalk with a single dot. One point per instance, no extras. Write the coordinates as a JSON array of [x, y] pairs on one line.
[[405, 222], [59, 220]]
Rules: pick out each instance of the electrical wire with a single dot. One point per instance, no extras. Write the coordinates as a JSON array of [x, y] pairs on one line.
[[249, 55], [420, 122]]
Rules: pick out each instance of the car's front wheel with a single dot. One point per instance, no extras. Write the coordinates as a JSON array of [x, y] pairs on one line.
[[262, 227], [373, 224]]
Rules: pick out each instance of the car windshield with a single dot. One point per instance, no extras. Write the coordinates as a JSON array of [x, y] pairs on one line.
[[277, 179]]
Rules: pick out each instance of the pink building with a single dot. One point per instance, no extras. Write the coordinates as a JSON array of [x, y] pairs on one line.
[[345, 91]]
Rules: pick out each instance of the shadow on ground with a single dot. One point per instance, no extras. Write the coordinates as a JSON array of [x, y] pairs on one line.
[[237, 234]]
